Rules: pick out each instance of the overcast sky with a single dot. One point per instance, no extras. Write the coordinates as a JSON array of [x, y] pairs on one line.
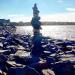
[[50, 10]]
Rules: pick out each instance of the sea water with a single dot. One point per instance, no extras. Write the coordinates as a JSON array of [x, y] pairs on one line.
[[53, 31]]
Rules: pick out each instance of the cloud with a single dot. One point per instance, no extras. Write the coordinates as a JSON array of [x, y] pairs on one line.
[[19, 18], [60, 1], [70, 9], [60, 17]]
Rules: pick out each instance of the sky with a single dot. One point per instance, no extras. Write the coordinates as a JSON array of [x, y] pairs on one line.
[[50, 10]]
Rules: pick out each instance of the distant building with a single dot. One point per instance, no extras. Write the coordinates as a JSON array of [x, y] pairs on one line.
[[4, 21]]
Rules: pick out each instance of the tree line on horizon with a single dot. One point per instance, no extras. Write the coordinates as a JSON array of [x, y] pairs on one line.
[[43, 23]]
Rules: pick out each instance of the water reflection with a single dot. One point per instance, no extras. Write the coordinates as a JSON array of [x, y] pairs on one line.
[[58, 32]]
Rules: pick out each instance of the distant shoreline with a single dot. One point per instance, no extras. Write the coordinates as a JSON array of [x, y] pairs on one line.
[[43, 23]]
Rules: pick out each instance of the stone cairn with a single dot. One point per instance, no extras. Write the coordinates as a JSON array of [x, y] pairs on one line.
[[36, 24], [37, 36]]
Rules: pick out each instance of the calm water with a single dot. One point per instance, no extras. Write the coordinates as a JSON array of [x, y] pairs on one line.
[[57, 31]]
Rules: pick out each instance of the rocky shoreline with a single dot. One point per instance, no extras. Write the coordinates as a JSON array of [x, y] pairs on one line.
[[16, 58]]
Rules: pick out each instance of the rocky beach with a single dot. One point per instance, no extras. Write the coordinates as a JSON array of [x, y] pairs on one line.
[[16, 55], [35, 54]]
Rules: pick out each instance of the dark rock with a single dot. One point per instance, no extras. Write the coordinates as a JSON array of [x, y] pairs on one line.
[[22, 71], [27, 60], [64, 68], [39, 66], [3, 58], [50, 60], [7, 52]]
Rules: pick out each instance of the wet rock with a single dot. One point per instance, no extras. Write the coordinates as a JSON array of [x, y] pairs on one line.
[[50, 60], [1, 72], [22, 71], [39, 66], [3, 58], [13, 49], [8, 52], [6, 34], [48, 72], [3, 64], [26, 60], [64, 68]]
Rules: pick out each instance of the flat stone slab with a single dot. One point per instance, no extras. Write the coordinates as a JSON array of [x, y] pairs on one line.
[[48, 72], [14, 64], [21, 53], [1, 51], [68, 57], [20, 47]]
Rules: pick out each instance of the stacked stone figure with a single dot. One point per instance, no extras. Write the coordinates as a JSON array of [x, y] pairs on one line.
[[36, 24], [37, 37]]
